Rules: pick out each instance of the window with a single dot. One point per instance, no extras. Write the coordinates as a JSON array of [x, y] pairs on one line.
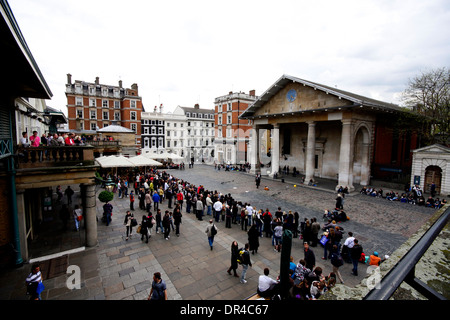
[[145, 130], [133, 115], [92, 103], [229, 119], [116, 93], [105, 91], [93, 114], [93, 126], [116, 104], [168, 144], [105, 115], [79, 113], [188, 114], [219, 120], [160, 131], [134, 127], [146, 143], [105, 103], [153, 130], [78, 88], [133, 103], [117, 116], [79, 101], [92, 90], [168, 124], [153, 142], [168, 133], [219, 108], [229, 106]]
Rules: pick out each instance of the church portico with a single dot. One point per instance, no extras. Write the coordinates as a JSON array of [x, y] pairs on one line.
[[317, 130]]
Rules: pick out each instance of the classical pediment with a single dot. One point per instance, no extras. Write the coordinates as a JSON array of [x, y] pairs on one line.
[[294, 95], [435, 148]]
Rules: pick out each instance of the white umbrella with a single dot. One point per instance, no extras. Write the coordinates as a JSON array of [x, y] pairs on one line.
[[151, 155], [114, 161], [141, 161]]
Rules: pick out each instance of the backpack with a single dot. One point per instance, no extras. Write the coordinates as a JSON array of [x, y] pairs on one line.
[[213, 230]]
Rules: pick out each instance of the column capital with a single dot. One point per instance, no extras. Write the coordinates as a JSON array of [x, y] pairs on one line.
[[347, 121]]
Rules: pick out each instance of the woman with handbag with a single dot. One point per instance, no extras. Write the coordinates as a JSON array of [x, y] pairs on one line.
[[336, 261], [34, 283]]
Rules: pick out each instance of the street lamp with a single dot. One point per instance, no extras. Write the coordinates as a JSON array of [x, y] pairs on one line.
[[109, 184]]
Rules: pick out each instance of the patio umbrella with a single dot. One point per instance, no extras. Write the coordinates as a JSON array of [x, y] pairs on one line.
[[114, 162], [141, 161]]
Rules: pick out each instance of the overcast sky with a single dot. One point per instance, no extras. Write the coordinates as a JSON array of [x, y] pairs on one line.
[[188, 52]]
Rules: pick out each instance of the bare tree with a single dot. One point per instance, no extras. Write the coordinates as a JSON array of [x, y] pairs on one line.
[[429, 95]]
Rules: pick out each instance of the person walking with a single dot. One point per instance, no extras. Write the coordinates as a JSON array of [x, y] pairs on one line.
[[246, 262], [166, 225], [69, 193], [211, 231], [159, 289], [156, 200], [107, 212], [148, 201], [336, 261], [77, 215], [144, 227], [34, 283], [234, 257], [159, 221]]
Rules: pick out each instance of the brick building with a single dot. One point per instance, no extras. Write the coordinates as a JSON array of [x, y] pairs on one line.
[[232, 134], [93, 106]]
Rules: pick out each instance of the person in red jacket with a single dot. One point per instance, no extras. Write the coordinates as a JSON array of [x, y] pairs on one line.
[[69, 140]]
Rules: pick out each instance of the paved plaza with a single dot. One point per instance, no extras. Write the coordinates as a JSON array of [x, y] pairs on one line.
[[118, 269]]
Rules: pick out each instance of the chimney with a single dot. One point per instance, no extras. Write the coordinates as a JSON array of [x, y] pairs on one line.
[[134, 86], [69, 78], [197, 106], [96, 80], [252, 93], [120, 83]]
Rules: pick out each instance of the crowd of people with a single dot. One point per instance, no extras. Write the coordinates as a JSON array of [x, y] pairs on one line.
[[412, 196], [306, 279]]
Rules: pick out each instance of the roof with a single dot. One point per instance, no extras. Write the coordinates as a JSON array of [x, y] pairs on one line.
[[197, 110], [284, 80], [115, 128], [21, 75]]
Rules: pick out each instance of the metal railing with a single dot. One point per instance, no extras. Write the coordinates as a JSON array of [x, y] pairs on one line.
[[34, 157], [404, 270]]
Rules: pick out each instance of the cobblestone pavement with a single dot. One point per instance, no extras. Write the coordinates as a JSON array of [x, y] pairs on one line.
[[118, 269]]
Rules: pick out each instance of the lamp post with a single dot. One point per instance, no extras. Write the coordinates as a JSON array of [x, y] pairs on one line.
[[109, 184]]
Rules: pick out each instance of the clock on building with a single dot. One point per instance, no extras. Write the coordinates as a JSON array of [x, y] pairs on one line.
[[291, 95]]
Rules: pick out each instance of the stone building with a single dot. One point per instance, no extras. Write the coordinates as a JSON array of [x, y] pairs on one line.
[[231, 133], [326, 132], [92, 106], [431, 164]]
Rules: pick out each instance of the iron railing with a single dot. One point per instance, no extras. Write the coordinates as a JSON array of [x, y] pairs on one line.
[[404, 270]]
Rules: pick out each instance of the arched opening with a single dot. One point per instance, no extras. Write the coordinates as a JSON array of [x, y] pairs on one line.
[[361, 168], [433, 174]]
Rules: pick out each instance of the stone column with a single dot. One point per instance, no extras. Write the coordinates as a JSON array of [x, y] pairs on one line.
[[20, 197], [233, 154], [254, 155], [90, 214], [275, 149], [310, 151], [346, 156]]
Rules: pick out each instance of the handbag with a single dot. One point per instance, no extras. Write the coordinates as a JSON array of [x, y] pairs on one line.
[[138, 230], [40, 288], [133, 222], [324, 240]]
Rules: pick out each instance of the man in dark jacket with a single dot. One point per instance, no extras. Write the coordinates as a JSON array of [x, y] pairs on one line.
[[245, 263], [355, 254], [310, 258]]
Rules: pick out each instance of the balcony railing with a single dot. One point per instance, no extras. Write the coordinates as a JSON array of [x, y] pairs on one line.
[[38, 157], [103, 143]]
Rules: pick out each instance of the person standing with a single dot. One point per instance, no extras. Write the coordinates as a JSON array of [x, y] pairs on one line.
[[180, 198], [211, 231], [177, 219], [246, 262], [310, 258], [107, 212], [217, 209], [355, 254], [69, 193], [34, 283], [159, 221], [77, 212], [127, 222], [148, 202], [253, 238], [159, 289], [258, 180], [315, 228], [199, 208], [144, 227], [132, 200], [156, 200], [234, 257]]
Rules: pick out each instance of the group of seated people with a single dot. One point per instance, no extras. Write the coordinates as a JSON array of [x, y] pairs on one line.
[[414, 197]]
